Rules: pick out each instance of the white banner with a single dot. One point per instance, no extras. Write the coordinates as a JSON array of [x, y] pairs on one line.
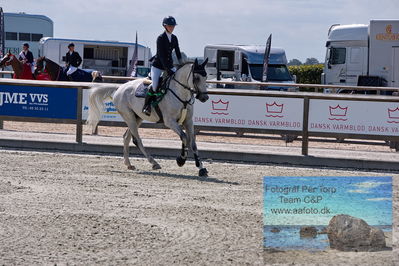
[[355, 117], [231, 111], [250, 112], [109, 114]]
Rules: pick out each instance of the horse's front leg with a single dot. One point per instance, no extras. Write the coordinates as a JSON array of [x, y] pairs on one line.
[[181, 160], [188, 124]]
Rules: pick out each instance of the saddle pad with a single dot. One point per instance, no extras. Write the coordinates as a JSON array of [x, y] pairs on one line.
[[141, 90]]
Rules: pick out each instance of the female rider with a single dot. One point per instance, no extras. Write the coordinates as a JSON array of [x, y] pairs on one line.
[[166, 43]]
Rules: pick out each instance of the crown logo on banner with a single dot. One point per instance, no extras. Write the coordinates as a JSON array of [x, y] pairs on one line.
[[274, 109], [338, 111], [219, 106], [393, 114]]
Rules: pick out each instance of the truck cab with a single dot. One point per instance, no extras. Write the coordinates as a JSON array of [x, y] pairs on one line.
[[346, 54], [245, 63]]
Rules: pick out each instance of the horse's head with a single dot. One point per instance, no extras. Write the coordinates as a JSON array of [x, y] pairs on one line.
[[7, 59], [199, 80], [39, 65]]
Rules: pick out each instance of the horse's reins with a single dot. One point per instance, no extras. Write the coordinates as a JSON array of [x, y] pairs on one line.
[[185, 103], [191, 100]]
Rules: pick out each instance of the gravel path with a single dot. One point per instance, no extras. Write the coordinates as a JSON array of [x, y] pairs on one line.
[[85, 209]]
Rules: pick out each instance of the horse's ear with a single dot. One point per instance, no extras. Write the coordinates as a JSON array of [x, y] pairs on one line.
[[196, 62], [204, 63]]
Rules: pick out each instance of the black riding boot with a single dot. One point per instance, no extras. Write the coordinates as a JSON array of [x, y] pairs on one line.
[[148, 100]]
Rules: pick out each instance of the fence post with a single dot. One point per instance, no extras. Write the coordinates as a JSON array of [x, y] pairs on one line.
[[1, 124], [305, 126], [79, 125]]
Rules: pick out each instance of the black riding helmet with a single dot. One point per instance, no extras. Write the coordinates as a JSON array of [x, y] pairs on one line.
[[171, 21]]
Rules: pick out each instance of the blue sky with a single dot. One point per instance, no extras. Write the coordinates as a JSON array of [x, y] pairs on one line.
[[299, 26]]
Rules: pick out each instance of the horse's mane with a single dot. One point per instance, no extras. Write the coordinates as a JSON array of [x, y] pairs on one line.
[[186, 63], [47, 60]]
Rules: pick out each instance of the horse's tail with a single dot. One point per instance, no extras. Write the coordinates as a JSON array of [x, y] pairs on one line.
[[96, 104]]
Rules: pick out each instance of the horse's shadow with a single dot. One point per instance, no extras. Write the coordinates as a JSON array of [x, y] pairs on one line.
[[188, 177]]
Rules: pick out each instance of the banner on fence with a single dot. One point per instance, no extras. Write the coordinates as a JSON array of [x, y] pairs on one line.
[[354, 117], [250, 112], [232, 111], [41, 102], [110, 114]]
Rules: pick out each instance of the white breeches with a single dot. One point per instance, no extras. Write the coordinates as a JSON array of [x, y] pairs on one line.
[[71, 70], [155, 75]]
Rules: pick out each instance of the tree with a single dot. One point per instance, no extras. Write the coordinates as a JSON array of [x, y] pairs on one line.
[[294, 62], [311, 61]]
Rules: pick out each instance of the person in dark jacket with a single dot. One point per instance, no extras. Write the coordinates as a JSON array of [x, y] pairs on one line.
[[163, 61], [72, 59], [26, 56]]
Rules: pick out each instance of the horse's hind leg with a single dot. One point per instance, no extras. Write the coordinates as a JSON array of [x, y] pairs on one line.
[[188, 124], [133, 123], [127, 136], [126, 140]]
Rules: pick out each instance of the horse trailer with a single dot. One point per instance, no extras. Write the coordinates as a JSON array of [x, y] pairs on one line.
[[245, 63], [108, 57], [359, 54]]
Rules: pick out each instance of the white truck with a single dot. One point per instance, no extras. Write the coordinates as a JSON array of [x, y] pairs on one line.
[[108, 57], [363, 50], [245, 63]]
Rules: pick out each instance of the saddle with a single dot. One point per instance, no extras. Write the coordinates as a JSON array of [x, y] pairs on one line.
[[142, 89]]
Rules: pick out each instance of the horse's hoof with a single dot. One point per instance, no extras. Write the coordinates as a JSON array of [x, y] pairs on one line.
[[131, 167], [203, 172], [156, 167], [180, 161]]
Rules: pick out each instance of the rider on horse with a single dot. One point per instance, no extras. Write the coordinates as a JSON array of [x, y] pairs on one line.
[[26, 57], [163, 61], [72, 60]]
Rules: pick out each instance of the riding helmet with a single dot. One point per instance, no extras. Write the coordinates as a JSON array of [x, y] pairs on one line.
[[26, 44], [169, 21], [71, 44]]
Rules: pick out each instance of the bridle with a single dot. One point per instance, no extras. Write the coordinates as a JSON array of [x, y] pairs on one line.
[[9, 61], [196, 90]]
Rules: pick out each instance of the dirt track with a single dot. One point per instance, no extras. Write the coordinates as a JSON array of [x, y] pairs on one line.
[[83, 209]]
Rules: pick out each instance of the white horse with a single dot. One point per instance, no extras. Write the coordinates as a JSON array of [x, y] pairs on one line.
[[176, 109]]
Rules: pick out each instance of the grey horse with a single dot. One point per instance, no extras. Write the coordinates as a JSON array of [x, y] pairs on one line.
[[176, 108]]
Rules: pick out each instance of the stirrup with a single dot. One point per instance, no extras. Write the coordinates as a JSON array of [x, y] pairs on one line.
[[147, 110]]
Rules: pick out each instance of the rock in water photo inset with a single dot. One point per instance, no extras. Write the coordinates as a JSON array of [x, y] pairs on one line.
[[348, 213]]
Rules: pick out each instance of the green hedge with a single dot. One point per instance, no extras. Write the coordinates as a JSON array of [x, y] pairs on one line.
[[307, 74]]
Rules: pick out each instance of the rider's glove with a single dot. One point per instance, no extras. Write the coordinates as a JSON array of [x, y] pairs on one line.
[[171, 71]]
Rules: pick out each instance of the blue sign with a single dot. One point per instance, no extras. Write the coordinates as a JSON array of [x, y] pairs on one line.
[[40, 102]]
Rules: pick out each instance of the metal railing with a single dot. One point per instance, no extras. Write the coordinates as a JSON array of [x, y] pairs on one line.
[[306, 96]]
